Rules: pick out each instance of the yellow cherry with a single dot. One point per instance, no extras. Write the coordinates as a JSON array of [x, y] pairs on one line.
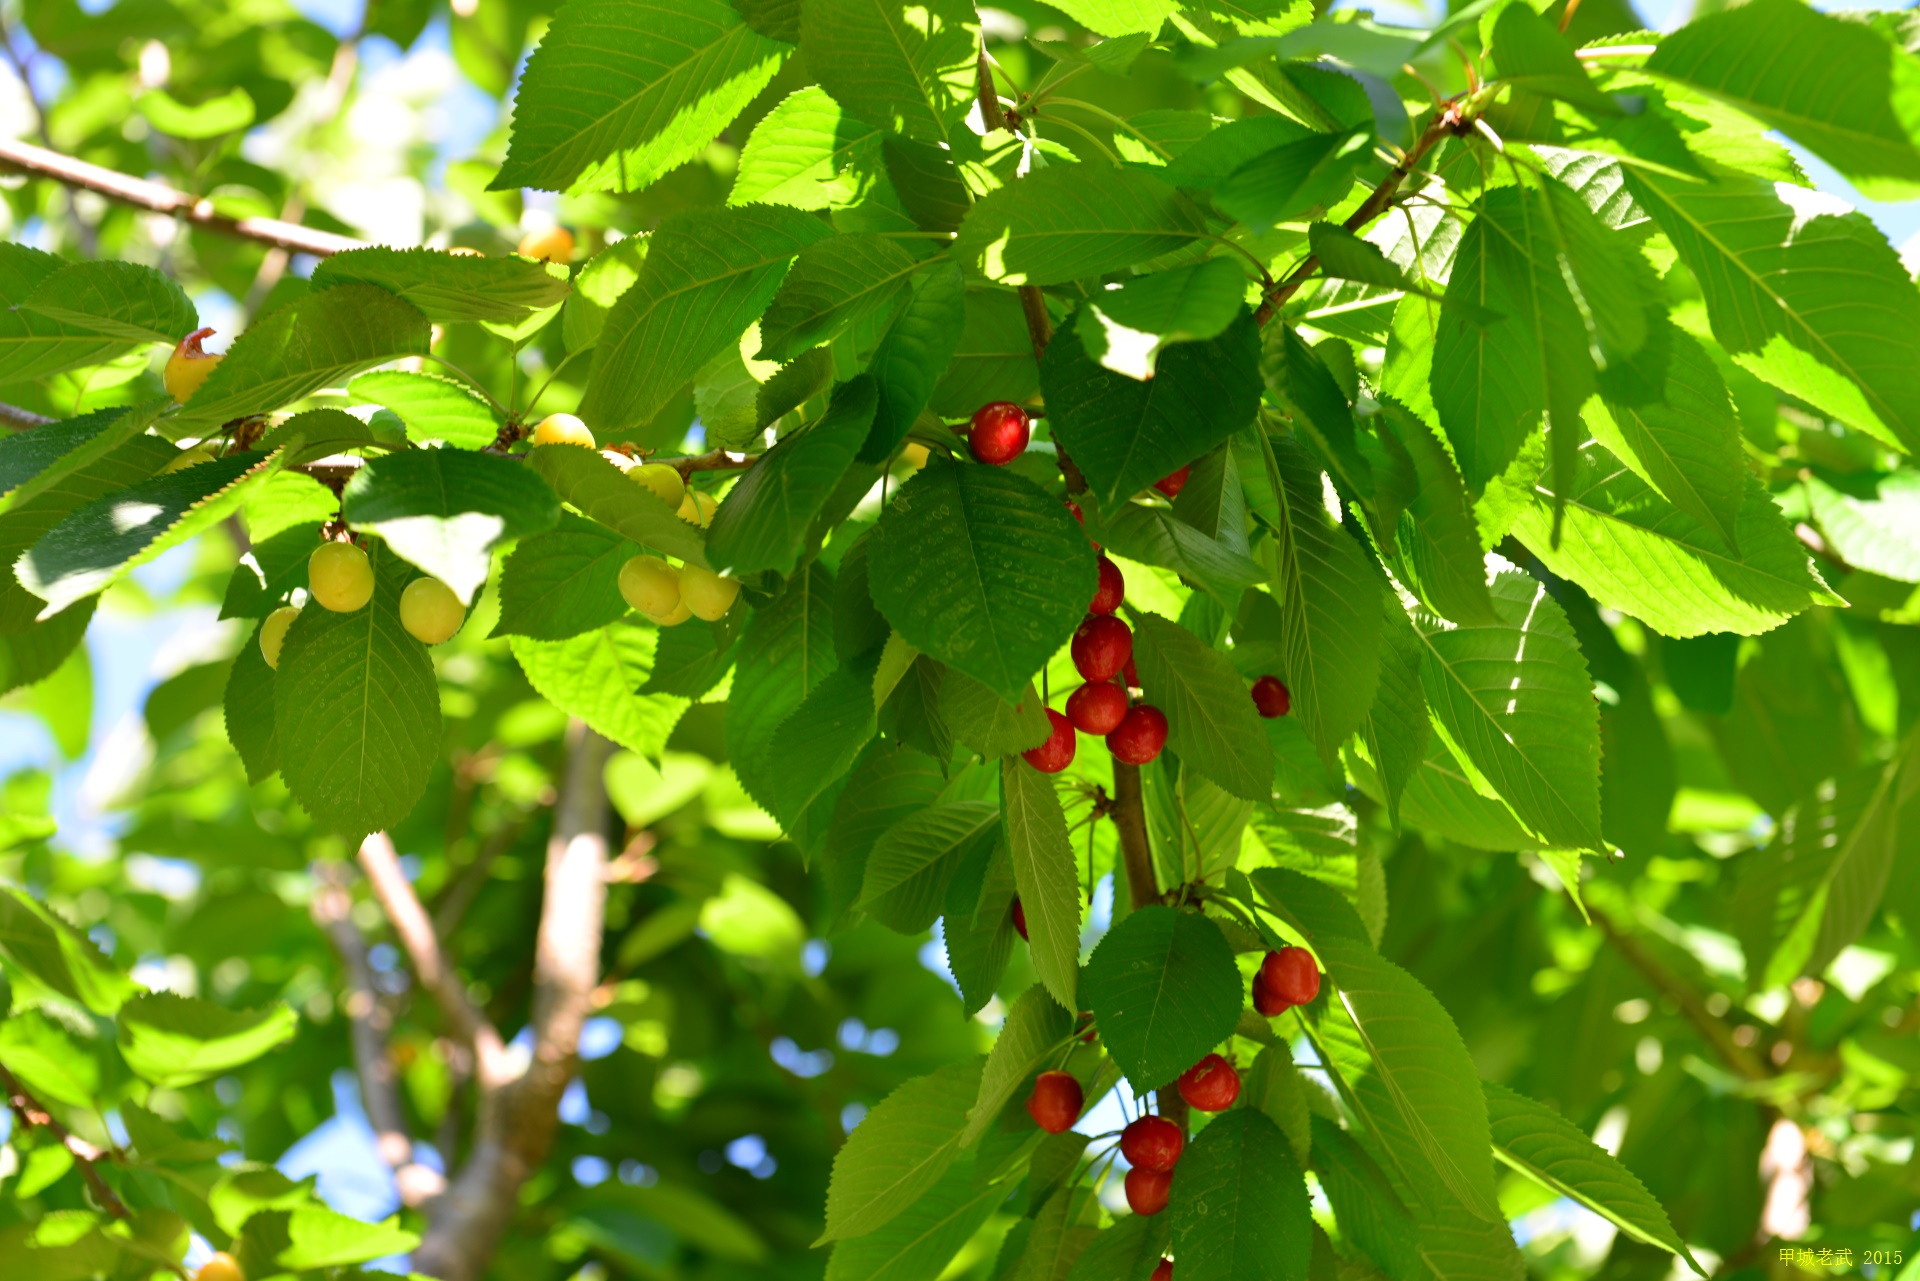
[[562, 429], [464, 251], [650, 585], [430, 611], [663, 480], [679, 615], [190, 458], [698, 508], [340, 577], [916, 455], [624, 462], [555, 244], [706, 593], [221, 1267], [188, 367], [273, 634]]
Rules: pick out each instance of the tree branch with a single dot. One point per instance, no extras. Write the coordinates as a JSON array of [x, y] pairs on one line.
[[1669, 985], [20, 419], [518, 1116], [39, 162], [32, 1114]]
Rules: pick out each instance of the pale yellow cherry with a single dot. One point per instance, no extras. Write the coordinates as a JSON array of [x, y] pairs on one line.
[[273, 634], [562, 429], [221, 1267], [555, 244], [662, 480], [188, 366], [650, 585], [707, 594], [465, 251], [698, 508], [430, 611], [626, 463], [190, 458], [916, 454], [340, 577], [679, 615]]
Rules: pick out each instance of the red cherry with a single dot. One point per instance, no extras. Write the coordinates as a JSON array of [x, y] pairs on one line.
[[1079, 516], [1111, 591], [1152, 1143], [1019, 917], [999, 433], [1132, 677], [1291, 975], [1056, 753], [1148, 1190], [1055, 1102], [1097, 709], [1211, 1085], [1101, 647], [1139, 736], [1162, 1271], [1270, 697], [1086, 1021], [1172, 485]]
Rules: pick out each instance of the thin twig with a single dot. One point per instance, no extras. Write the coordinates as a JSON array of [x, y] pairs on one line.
[[20, 419], [1714, 1030], [31, 1113]]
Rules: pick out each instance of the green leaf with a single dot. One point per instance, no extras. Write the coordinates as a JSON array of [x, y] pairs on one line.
[[1396, 727], [357, 710], [1437, 536], [994, 360], [52, 1059], [451, 287], [1413, 1049], [988, 723], [59, 956], [1029, 1041], [1128, 1251], [34, 346], [1164, 990], [889, 784], [1541, 1144], [599, 490], [1345, 256], [1880, 533], [173, 1041], [597, 286], [915, 352], [691, 660], [321, 1238], [1301, 381], [1839, 88], [707, 276], [1125, 434], [100, 543], [981, 569], [1516, 700], [1634, 551], [1125, 328], [621, 92], [31, 462], [247, 706], [1289, 180], [319, 340], [1044, 871], [1535, 58], [919, 1243], [160, 1141], [786, 650], [223, 113], [833, 285], [432, 407], [444, 509], [915, 860], [594, 676], [764, 520], [898, 1153], [1156, 536], [1119, 17], [1211, 722], [565, 582], [1369, 1211], [1802, 292], [797, 154], [1239, 1205], [908, 69], [122, 300], [819, 743], [1066, 222]]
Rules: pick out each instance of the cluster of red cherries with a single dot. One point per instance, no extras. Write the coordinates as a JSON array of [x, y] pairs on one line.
[[1153, 1144], [1102, 645]]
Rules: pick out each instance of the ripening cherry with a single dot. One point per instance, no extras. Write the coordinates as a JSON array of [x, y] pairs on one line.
[[1019, 917], [340, 577], [662, 481], [1097, 709], [1111, 591], [1139, 736], [679, 615], [1055, 1102], [707, 594], [562, 429], [1172, 485], [430, 611], [651, 586], [188, 366], [1211, 1085], [998, 433], [1291, 975], [1152, 1143], [1101, 646], [273, 634], [1270, 697], [1056, 752], [221, 1267], [1129, 675], [1148, 1190], [698, 508], [1162, 1271], [555, 244]]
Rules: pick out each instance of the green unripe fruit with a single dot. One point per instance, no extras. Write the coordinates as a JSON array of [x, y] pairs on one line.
[[706, 593], [651, 586], [273, 634], [662, 480], [340, 577], [430, 611]]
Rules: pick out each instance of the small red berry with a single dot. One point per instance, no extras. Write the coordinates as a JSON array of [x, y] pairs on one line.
[[1101, 647], [1291, 975], [1019, 917], [1211, 1085], [1152, 1143], [1056, 753], [1270, 697], [1097, 709], [1269, 1003], [1139, 736], [1111, 591], [1132, 677], [1055, 1102], [1172, 485], [999, 432], [1086, 1021], [1148, 1190], [1162, 1271]]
